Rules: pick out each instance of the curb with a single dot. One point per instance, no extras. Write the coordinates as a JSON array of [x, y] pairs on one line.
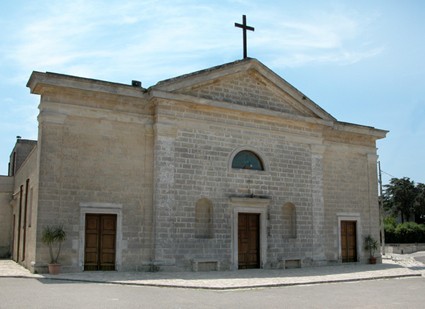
[[220, 288]]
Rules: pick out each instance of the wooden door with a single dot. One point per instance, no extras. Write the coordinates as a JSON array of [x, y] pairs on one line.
[[100, 238], [348, 241], [248, 240]]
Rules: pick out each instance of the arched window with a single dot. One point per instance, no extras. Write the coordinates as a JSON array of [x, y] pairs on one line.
[[289, 221], [203, 219], [246, 159]]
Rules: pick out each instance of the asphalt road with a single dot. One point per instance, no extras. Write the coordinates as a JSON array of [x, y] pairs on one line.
[[419, 256], [33, 293]]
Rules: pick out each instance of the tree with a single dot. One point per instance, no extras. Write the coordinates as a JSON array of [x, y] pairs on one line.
[[420, 203], [400, 197]]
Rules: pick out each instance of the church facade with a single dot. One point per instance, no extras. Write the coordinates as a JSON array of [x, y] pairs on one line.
[[221, 169]]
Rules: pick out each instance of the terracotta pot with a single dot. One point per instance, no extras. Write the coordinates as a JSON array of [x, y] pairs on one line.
[[54, 269], [372, 260]]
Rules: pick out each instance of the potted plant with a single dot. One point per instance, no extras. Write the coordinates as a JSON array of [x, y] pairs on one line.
[[54, 236], [371, 245]]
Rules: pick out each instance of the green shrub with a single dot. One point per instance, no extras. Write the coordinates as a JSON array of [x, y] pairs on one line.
[[390, 222], [389, 227], [407, 232]]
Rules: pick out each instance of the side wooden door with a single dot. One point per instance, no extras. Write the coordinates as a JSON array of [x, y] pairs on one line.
[[99, 253], [248, 240], [349, 241]]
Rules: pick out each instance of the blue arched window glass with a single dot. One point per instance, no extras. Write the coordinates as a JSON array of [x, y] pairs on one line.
[[246, 159]]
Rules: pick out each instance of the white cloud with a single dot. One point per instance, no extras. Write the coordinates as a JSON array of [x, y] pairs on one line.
[[337, 37], [72, 37], [154, 38], [339, 57]]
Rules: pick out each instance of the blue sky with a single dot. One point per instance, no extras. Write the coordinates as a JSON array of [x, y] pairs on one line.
[[362, 61]]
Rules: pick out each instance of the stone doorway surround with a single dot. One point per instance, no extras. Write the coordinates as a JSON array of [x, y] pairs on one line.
[[249, 205], [100, 208], [359, 243]]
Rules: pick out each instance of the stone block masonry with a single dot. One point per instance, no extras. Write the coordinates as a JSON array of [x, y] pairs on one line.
[[157, 164]]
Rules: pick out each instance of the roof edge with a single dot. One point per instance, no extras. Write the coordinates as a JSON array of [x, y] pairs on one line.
[[39, 80]]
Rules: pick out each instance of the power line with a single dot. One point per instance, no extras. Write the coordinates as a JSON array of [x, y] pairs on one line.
[[388, 174]]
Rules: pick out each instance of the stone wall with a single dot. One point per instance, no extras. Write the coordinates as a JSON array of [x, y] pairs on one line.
[[90, 156], [248, 90], [153, 156], [22, 149], [197, 162], [25, 208], [6, 217], [403, 248], [326, 182], [350, 193]]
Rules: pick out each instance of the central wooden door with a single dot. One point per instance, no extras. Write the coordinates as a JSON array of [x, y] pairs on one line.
[[248, 240], [348, 241], [99, 253]]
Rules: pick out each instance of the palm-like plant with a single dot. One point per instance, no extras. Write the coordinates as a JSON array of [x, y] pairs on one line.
[[53, 235], [370, 245]]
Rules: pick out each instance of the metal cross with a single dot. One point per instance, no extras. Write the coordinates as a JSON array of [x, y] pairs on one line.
[[244, 27]]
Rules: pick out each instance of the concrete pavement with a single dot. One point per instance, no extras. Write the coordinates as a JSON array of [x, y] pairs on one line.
[[395, 266]]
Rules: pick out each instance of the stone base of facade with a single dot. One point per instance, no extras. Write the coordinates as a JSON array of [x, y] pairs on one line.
[[4, 252]]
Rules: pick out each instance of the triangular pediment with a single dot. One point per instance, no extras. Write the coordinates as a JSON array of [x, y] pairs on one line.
[[248, 83]]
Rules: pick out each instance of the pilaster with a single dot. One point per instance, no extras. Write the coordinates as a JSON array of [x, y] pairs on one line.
[[374, 211], [164, 194], [318, 208]]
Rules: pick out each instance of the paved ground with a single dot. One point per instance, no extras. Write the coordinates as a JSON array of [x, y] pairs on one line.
[[395, 266]]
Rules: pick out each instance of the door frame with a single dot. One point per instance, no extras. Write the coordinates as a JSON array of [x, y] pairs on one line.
[[100, 208], [359, 243], [249, 205]]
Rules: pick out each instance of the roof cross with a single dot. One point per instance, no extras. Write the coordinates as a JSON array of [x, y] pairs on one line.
[[244, 27]]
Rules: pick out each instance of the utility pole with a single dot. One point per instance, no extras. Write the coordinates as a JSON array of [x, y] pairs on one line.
[[381, 210]]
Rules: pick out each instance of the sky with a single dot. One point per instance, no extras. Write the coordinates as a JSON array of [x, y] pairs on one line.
[[361, 61]]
